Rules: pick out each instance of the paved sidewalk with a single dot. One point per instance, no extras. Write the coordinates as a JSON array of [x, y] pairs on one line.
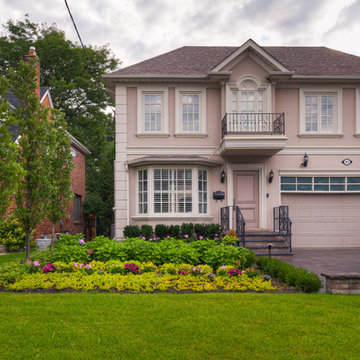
[[330, 260]]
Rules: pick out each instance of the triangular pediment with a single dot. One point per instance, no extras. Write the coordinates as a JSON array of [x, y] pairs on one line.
[[252, 49]]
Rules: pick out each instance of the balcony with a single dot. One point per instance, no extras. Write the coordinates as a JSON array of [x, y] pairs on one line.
[[256, 134]]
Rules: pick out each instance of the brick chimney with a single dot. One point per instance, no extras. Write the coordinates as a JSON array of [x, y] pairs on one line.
[[32, 54]]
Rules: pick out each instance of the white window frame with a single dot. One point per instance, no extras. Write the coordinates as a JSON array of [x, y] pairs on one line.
[[154, 90], [316, 91], [265, 88], [179, 92], [194, 193]]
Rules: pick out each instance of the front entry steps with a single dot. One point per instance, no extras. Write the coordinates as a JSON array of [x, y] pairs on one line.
[[264, 243]]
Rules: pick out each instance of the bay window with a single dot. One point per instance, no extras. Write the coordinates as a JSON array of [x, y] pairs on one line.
[[172, 191]]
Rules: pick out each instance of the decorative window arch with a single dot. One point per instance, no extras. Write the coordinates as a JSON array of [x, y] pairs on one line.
[[249, 95]]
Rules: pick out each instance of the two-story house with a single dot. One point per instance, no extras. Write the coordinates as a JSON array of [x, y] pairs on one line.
[[261, 127]]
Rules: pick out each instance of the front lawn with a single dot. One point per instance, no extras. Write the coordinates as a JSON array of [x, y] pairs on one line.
[[7, 258], [179, 326]]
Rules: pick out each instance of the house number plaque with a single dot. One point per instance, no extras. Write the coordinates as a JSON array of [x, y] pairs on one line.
[[347, 162]]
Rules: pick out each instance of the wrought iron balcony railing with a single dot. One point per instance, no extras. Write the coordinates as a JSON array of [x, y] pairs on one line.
[[253, 123]]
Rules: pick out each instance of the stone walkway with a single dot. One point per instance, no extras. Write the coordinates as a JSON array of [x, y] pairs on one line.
[[330, 260]]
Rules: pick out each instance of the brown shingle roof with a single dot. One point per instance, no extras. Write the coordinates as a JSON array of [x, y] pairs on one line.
[[199, 60]]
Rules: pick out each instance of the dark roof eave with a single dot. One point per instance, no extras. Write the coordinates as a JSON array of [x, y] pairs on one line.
[[149, 160], [323, 78], [211, 75], [75, 142]]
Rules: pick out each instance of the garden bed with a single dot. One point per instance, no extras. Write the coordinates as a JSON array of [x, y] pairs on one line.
[[140, 266]]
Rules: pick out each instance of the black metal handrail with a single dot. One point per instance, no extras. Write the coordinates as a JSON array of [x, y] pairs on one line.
[[253, 123], [233, 212], [282, 223]]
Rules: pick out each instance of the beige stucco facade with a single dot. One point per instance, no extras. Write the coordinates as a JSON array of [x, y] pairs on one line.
[[257, 151]]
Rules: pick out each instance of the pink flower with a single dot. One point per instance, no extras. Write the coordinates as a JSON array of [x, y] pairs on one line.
[[186, 236], [168, 237], [75, 264], [88, 266], [200, 237], [29, 262], [81, 266], [223, 267], [143, 238], [201, 270], [81, 242], [36, 263], [216, 235]]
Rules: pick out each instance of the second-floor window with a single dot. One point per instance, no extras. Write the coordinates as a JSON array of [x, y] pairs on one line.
[[247, 101], [320, 112], [152, 111], [190, 111]]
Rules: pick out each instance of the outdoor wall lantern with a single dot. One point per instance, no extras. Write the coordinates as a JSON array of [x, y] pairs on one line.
[[222, 176], [271, 176], [306, 160]]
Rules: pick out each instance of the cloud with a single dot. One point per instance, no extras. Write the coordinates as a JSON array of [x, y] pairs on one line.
[[347, 18], [139, 29]]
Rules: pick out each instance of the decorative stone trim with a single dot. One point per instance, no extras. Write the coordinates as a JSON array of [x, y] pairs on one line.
[[343, 283]]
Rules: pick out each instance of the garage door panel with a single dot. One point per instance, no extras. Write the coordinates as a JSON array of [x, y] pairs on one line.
[[321, 220]]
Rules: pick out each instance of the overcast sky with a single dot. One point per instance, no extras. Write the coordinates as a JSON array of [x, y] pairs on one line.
[[139, 29]]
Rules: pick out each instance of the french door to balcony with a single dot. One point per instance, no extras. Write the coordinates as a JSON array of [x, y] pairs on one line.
[[248, 109]]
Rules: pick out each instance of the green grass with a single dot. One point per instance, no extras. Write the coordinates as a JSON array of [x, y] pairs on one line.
[[12, 257], [179, 326]]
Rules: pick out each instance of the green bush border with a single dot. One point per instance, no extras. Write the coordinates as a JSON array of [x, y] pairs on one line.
[[297, 277]]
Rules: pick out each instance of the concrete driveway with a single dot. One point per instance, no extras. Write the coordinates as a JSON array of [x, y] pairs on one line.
[[330, 260]]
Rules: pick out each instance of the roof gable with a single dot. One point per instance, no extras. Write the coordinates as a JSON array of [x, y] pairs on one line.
[[251, 46]]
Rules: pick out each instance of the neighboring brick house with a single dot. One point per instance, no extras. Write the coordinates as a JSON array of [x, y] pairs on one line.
[[74, 221], [263, 126]]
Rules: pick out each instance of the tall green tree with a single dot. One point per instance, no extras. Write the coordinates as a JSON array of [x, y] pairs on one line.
[[9, 169], [59, 169], [77, 88], [41, 133]]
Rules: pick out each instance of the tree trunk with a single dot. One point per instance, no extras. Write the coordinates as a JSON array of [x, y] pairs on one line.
[[28, 233], [53, 236]]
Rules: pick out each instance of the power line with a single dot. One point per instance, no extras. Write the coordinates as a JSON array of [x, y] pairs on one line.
[[73, 21]]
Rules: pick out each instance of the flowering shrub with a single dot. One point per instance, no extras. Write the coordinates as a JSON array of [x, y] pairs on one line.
[[49, 268], [185, 269], [230, 238], [234, 272], [32, 267], [195, 271], [224, 270], [131, 268]]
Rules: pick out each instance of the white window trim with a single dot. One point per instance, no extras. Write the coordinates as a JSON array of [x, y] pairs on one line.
[[265, 87], [195, 194], [338, 128], [357, 100], [179, 91], [156, 90]]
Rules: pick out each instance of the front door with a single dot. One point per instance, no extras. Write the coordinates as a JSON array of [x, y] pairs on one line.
[[246, 195]]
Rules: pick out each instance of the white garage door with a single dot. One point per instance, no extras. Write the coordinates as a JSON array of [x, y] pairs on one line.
[[324, 220]]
